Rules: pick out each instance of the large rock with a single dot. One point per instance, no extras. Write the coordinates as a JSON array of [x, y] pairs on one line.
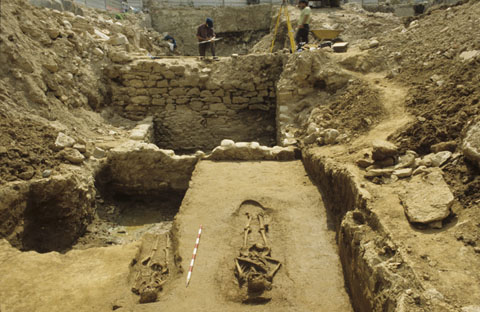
[[427, 198], [471, 144], [383, 149]]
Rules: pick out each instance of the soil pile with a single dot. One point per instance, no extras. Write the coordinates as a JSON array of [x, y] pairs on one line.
[[55, 72], [432, 56], [438, 56]]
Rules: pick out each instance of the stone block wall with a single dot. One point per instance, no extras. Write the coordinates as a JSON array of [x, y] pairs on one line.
[[196, 104]]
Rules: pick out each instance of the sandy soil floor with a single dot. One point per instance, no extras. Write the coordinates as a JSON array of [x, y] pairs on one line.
[[83, 280], [310, 278]]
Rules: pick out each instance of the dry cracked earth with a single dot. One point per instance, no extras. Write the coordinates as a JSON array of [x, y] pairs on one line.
[[322, 180]]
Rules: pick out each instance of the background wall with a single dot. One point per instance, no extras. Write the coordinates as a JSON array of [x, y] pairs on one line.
[[239, 27]]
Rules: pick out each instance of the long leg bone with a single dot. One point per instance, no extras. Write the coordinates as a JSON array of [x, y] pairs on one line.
[[165, 270], [146, 260], [262, 229], [154, 250], [246, 230]]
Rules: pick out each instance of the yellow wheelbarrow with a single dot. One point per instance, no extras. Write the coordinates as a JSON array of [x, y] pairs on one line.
[[326, 34]]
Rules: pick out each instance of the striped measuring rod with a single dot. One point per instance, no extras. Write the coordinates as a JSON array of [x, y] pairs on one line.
[[189, 275]]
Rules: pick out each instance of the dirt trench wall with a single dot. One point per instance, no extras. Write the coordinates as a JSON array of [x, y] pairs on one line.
[[376, 276], [47, 214], [197, 104], [238, 25]]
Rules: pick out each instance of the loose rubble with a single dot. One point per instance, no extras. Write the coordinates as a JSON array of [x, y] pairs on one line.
[[229, 150]]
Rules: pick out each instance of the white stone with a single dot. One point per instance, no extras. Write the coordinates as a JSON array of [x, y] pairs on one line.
[[373, 44], [468, 55], [101, 35], [98, 52], [403, 173], [254, 145], [227, 143], [63, 141], [241, 144]]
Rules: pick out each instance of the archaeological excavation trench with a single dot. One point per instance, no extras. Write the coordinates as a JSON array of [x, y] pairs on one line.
[[275, 234], [278, 225], [321, 181]]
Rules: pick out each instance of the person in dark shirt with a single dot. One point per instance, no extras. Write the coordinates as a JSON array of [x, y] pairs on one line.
[[205, 33]]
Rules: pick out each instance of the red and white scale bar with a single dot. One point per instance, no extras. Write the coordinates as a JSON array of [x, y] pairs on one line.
[[189, 275]]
